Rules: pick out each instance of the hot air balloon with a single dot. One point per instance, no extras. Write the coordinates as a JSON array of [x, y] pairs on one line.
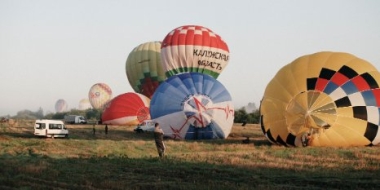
[[193, 106], [84, 104], [194, 48], [99, 95], [126, 109], [333, 98], [144, 69], [61, 106]]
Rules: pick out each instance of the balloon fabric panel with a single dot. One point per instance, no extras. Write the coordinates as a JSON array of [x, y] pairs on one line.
[[172, 97], [188, 83]]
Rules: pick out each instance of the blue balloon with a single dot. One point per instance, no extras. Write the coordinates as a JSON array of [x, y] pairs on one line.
[[193, 106]]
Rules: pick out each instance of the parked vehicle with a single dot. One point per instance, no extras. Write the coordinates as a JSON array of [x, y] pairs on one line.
[[145, 126], [50, 128], [75, 119]]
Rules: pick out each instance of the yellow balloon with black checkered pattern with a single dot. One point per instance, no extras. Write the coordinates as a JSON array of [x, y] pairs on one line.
[[323, 99]]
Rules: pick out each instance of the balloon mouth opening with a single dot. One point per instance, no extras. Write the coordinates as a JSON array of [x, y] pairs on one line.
[[197, 109], [310, 111]]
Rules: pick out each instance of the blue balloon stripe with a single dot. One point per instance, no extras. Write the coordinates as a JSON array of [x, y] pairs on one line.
[[177, 83], [369, 98], [207, 85], [156, 111], [218, 130], [198, 83], [222, 97], [219, 94], [172, 101], [350, 88], [330, 87], [189, 83]]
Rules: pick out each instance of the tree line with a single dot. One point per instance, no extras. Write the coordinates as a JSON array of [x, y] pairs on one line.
[[241, 115]]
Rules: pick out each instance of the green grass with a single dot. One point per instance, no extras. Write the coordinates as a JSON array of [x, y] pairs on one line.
[[126, 160]]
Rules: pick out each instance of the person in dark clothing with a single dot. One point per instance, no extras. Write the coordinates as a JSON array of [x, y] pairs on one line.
[[306, 139], [106, 129], [159, 139]]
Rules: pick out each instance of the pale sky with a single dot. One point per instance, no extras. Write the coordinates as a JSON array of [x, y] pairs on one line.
[[57, 49]]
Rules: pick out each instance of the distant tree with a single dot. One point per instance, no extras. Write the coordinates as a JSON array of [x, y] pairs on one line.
[[6, 116], [59, 115], [93, 114], [254, 117], [40, 113], [77, 112], [23, 114], [49, 116], [251, 107], [27, 114], [240, 115], [90, 114]]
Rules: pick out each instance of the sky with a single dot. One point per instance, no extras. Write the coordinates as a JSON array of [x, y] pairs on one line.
[[51, 50]]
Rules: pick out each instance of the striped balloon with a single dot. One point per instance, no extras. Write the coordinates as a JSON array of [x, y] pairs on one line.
[[144, 69], [194, 48], [126, 109]]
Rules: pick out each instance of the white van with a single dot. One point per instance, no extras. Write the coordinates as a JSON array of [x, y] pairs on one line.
[[75, 119], [50, 128], [145, 126]]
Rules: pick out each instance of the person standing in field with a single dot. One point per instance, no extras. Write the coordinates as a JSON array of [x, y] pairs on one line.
[[106, 129], [306, 139], [159, 139]]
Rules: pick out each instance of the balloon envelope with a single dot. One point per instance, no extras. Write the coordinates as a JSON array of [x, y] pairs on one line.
[[332, 96], [194, 48], [99, 95], [193, 106], [126, 109], [144, 69], [84, 104], [61, 106]]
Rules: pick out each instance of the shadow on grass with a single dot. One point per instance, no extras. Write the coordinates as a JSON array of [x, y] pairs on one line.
[[20, 135], [252, 142], [85, 134], [33, 171], [118, 135]]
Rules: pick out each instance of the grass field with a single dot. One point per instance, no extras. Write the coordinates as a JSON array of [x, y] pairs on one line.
[[123, 159]]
